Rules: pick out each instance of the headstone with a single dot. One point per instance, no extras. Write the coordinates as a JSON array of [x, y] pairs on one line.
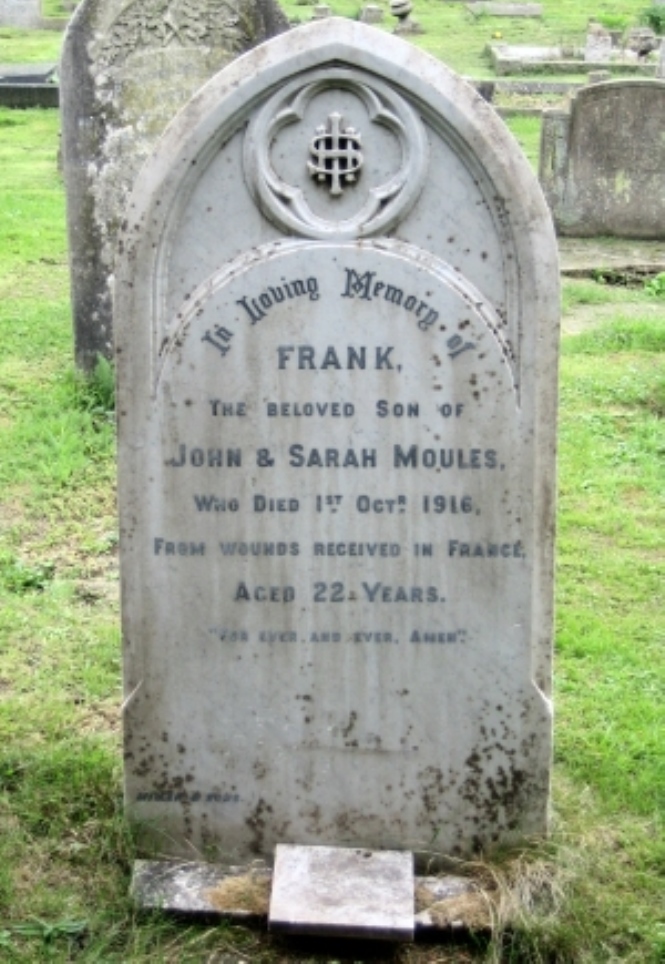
[[321, 11], [598, 47], [660, 70], [20, 13], [642, 41], [127, 68], [371, 13], [602, 163], [337, 308]]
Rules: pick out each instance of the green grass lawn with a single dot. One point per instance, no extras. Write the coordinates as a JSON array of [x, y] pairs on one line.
[[29, 46]]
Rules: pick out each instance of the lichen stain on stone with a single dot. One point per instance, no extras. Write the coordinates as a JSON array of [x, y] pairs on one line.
[[257, 822], [433, 788], [623, 186], [259, 769], [197, 24], [346, 731]]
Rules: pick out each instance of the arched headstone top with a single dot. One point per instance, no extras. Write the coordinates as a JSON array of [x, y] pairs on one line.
[[413, 153]]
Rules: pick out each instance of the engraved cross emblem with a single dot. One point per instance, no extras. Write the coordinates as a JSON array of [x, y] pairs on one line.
[[337, 158]]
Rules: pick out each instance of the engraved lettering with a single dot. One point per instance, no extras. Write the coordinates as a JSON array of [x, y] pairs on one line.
[[415, 457], [349, 358], [220, 338], [245, 593], [258, 306], [365, 288], [300, 457], [338, 159], [198, 457]]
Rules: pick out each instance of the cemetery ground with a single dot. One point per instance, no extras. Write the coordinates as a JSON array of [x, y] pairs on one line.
[[592, 892], [450, 32]]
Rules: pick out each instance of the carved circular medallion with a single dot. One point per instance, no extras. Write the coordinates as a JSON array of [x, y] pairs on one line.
[[336, 154]]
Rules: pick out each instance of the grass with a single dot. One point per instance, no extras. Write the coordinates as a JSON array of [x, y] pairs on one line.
[[526, 131], [56, 9], [29, 46], [592, 893]]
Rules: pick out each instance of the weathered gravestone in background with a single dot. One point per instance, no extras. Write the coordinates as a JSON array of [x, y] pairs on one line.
[[127, 68], [602, 162], [337, 317], [598, 47], [371, 13], [20, 13]]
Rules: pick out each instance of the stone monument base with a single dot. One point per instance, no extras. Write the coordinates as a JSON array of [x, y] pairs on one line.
[[440, 905], [342, 892]]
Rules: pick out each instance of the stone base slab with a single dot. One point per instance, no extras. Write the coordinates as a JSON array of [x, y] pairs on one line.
[[242, 893], [341, 892]]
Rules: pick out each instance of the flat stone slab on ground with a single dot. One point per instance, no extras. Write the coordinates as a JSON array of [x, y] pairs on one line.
[[581, 255], [27, 73], [342, 892], [199, 889]]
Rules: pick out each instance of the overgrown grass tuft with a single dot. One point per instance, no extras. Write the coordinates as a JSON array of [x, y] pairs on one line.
[[20, 577], [95, 393]]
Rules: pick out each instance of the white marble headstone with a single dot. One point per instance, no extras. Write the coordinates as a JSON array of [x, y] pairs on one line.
[[598, 47], [20, 13], [336, 340]]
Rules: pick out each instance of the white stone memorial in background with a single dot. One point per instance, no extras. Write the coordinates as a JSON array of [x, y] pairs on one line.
[[337, 313], [20, 13], [598, 47], [371, 13]]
